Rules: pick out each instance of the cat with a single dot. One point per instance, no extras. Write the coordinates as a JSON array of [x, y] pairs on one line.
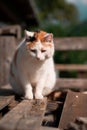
[[32, 72]]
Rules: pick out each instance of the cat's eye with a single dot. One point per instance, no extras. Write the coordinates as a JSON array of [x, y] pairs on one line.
[[33, 50], [43, 50]]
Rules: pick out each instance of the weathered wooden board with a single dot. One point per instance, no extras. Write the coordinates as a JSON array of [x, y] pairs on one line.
[[5, 100], [6, 96], [68, 67], [48, 128], [7, 49], [75, 43], [6, 90], [75, 106], [26, 116], [14, 30], [76, 84]]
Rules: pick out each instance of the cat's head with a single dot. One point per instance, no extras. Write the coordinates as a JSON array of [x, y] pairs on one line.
[[39, 44]]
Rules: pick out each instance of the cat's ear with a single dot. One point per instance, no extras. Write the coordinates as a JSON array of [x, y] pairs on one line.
[[48, 37], [28, 34]]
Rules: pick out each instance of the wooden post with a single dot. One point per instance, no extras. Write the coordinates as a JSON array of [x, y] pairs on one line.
[[7, 49]]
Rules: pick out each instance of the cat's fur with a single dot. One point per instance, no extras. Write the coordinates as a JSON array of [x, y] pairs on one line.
[[32, 69]]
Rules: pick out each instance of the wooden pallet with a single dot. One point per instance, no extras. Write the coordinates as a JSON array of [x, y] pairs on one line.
[[22, 114], [17, 114]]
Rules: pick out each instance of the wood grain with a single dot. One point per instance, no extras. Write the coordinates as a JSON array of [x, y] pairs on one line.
[[75, 106], [14, 30], [48, 128], [27, 115], [68, 67], [75, 43], [76, 84], [5, 101], [7, 49]]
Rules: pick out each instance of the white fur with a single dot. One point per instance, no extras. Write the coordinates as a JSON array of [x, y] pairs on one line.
[[27, 33], [32, 73]]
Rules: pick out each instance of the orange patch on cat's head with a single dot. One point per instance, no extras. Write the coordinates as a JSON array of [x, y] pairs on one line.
[[40, 36]]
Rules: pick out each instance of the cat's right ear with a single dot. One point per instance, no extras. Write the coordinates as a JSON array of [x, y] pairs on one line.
[[28, 34]]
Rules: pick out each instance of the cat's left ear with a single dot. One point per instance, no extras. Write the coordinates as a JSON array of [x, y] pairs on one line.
[[28, 33], [49, 37]]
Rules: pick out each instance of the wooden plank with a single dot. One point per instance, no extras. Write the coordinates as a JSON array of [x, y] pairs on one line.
[[79, 124], [48, 128], [75, 43], [5, 101], [7, 49], [6, 96], [68, 67], [75, 106], [6, 90], [6, 87], [11, 29], [27, 116], [76, 84]]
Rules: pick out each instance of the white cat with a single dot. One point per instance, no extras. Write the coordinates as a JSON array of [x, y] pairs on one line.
[[32, 71]]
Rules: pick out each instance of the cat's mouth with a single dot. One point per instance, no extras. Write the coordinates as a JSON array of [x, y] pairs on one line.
[[40, 59]]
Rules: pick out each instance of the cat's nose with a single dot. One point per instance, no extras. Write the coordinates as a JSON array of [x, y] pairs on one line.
[[38, 58]]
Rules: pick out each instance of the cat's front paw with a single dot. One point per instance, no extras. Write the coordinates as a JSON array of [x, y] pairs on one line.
[[29, 96], [38, 96]]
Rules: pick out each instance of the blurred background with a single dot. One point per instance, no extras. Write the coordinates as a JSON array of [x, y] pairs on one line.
[[63, 18]]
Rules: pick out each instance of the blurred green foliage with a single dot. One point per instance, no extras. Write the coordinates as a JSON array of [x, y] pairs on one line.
[[78, 30], [57, 9], [57, 30]]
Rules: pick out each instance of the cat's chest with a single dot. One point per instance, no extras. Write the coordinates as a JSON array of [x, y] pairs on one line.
[[35, 70], [32, 69], [35, 73]]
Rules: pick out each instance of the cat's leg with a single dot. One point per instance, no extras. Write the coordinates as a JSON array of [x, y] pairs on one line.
[[49, 84], [28, 92], [39, 89]]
